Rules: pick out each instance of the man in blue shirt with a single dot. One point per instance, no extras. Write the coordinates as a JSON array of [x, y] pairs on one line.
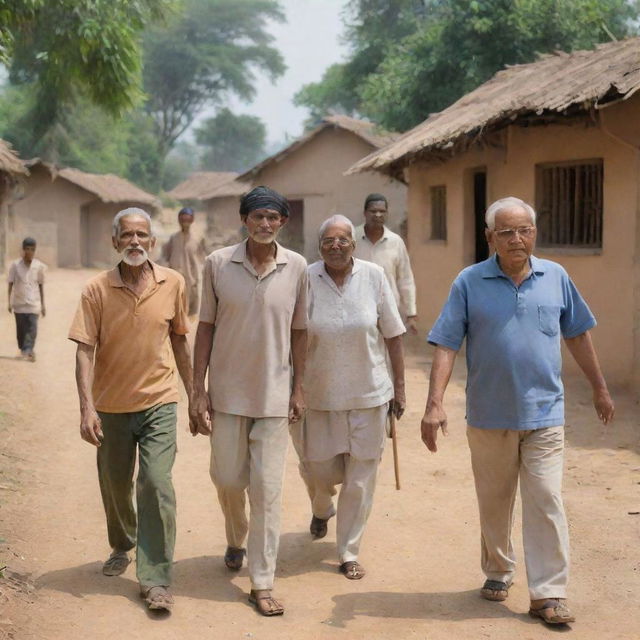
[[512, 309]]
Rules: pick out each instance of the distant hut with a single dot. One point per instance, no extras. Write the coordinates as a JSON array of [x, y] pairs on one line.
[[11, 170], [217, 194], [70, 213], [562, 133], [310, 173]]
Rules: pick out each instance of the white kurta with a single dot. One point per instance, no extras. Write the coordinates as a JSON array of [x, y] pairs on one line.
[[346, 359], [391, 254]]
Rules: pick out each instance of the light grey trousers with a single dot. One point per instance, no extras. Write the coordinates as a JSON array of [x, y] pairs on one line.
[[248, 456], [499, 457]]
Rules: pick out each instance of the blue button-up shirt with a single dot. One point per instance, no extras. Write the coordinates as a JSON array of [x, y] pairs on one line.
[[513, 341]]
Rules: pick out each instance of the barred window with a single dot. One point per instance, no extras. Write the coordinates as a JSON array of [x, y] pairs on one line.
[[438, 213], [569, 204]]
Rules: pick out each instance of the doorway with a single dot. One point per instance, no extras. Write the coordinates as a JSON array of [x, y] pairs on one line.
[[479, 208], [292, 234]]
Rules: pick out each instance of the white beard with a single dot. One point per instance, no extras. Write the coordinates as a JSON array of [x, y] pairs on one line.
[[264, 239], [134, 260]]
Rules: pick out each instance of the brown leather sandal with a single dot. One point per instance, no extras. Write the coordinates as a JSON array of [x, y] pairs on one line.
[[495, 590], [352, 570], [157, 598], [553, 611], [265, 603], [233, 558]]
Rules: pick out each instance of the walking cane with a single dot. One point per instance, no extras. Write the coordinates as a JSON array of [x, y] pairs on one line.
[[394, 442]]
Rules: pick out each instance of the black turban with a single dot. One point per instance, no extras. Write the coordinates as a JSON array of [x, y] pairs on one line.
[[374, 197], [186, 210], [263, 198]]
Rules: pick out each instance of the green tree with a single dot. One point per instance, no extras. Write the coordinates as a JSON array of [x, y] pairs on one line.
[[205, 54], [231, 142], [455, 45], [67, 47]]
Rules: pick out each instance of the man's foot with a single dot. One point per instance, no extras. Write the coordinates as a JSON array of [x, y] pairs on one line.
[[352, 570], [551, 611], [318, 527], [31, 357], [495, 590], [116, 564], [265, 603], [233, 558], [157, 598]]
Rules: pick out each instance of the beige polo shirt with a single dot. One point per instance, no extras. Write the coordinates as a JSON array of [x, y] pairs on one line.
[[346, 365], [250, 364], [26, 280], [134, 368], [391, 254]]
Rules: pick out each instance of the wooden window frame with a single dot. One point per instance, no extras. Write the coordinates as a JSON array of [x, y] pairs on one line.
[[438, 213]]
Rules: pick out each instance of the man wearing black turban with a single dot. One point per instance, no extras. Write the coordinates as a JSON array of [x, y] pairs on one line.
[[253, 324]]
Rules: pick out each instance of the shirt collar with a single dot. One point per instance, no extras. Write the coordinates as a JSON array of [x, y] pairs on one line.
[[360, 233], [240, 253], [491, 268], [115, 279]]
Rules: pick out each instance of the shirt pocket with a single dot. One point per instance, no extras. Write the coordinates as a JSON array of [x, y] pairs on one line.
[[549, 319]]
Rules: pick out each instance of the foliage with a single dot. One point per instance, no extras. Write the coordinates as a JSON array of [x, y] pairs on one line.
[[182, 161], [455, 45], [232, 142], [209, 51], [71, 46]]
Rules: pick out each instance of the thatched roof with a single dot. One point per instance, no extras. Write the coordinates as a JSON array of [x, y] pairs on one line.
[[205, 185], [106, 187], [367, 131], [9, 161], [557, 85]]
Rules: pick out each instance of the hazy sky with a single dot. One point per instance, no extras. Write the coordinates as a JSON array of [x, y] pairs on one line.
[[309, 43]]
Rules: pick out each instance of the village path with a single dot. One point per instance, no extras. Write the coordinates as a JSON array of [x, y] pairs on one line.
[[421, 546]]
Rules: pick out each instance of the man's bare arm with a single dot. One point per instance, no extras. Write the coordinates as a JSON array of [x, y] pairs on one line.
[[43, 309], [298, 360], [200, 412], [9, 296], [434, 414], [90, 423], [583, 352], [396, 355]]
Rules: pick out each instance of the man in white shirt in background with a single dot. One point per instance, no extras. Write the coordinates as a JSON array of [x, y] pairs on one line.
[[378, 244]]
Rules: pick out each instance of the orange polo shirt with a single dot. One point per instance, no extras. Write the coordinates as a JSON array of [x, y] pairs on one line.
[[134, 368]]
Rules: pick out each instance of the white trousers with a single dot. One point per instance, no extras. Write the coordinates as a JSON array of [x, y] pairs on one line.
[[498, 458], [248, 456]]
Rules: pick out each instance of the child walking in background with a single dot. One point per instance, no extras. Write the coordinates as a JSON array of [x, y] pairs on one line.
[[26, 297]]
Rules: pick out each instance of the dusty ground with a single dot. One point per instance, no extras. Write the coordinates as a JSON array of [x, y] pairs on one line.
[[421, 547]]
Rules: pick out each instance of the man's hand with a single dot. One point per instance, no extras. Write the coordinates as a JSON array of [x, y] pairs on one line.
[[412, 325], [603, 405], [91, 427], [296, 406], [398, 403], [9, 308], [43, 311], [200, 413], [434, 418]]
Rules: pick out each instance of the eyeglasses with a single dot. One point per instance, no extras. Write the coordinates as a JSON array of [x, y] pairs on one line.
[[343, 243], [271, 218], [509, 234]]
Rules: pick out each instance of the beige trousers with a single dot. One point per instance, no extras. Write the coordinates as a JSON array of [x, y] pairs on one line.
[[248, 456], [499, 457]]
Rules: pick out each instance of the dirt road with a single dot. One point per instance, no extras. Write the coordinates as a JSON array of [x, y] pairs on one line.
[[421, 547]]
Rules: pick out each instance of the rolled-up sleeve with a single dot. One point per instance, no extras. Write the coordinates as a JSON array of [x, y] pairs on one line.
[[180, 320], [300, 319], [406, 283], [576, 317], [450, 328], [209, 303]]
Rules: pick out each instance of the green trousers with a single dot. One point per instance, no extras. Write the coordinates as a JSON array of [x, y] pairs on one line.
[[153, 532]]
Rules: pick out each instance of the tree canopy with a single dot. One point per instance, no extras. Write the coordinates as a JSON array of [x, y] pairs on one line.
[[410, 58], [231, 142]]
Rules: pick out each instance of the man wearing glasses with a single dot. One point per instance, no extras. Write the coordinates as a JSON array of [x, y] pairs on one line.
[[252, 336], [513, 308]]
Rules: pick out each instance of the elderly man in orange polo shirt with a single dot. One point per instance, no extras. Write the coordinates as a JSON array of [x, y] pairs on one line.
[[128, 321], [252, 337]]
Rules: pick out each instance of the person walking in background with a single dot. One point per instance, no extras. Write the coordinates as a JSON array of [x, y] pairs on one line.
[[252, 337], [130, 328], [376, 243], [26, 297], [185, 253], [513, 308], [353, 324]]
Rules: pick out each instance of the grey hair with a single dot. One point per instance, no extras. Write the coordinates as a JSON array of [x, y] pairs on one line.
[[131, 211], [507, 203], [337, 219]]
